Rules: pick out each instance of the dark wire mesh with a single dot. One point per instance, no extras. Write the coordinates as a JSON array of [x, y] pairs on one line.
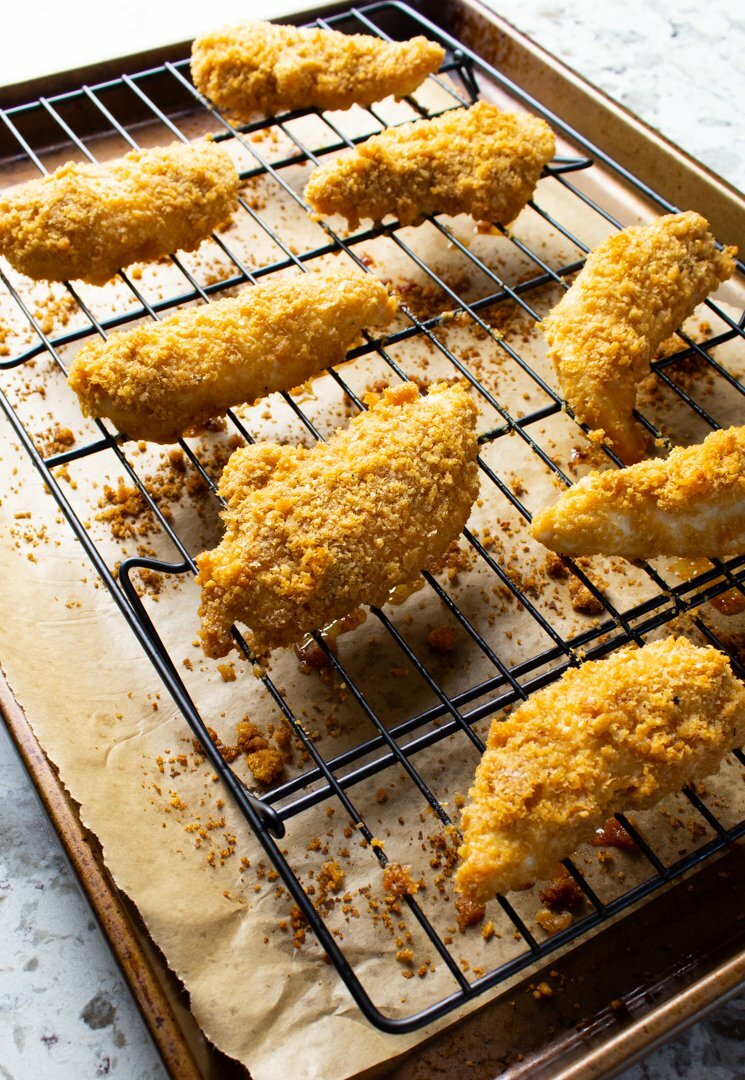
[[333, 779]]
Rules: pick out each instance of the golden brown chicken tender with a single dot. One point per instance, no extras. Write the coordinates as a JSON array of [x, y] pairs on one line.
[[88, 221], [262, 67], [635, 289], [690, 504], [615, 734], [312, 534], [163, 379], [479, 161]]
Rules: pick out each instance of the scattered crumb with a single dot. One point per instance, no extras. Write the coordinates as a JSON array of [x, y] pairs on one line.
[[441, 639], [397, 880], [469, 913], [331, 877], [583, 601], [553, 922], [266, 765], [563, 893], [613, 834]]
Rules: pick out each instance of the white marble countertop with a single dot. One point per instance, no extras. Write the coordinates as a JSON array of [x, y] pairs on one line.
[[64, 1010]]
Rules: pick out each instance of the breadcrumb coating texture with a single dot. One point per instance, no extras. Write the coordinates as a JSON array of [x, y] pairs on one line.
[[86, 221], [262, 67], [615, 734], [312, 534], [479, 161], [160, 380], [690, 504], [635, 290]]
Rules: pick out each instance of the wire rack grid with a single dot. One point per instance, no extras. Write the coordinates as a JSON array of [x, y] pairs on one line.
[[333, 779]]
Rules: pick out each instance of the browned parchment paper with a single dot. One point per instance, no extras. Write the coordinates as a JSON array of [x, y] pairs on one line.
[[170, 835]]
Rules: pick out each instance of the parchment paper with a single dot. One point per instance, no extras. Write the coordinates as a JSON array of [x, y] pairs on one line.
[[171, 837]]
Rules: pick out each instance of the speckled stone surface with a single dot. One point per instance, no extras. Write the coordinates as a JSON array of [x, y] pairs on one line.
[[678, 64], [64, 1009]]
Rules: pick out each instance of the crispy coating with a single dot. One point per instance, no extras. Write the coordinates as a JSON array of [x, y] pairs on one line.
[[312, 534], [163, 379], [615, 734], [635, 289], [479, 161], [262, 67], [87, 221], [690, 504]]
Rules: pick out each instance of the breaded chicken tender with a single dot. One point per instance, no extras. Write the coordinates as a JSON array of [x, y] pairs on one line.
[[613, 735], [635, 289], [312, 534], [690, 504], [88, 221], [262, 67], [479, 161], [160, 380]]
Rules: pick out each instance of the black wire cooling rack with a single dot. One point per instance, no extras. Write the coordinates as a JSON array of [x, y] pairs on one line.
[[66, 119]]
